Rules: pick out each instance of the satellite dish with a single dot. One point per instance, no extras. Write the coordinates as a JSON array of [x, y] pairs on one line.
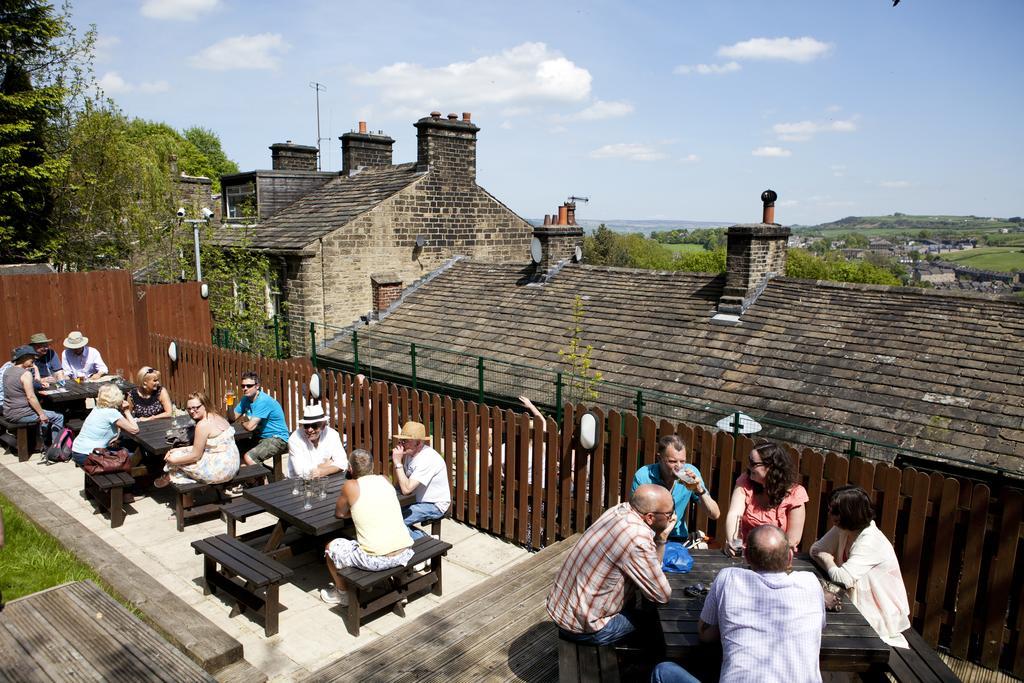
[[172, 351], [314, 386], [588, 431], [577, 254], [420, 241], [748, 425], [204, 290], [536, 250]]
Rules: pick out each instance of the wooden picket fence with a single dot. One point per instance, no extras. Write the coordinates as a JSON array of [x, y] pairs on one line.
[[532, 483]]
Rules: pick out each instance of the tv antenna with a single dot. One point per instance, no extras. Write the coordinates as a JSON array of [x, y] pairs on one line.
[[575, 199], [318, 87]]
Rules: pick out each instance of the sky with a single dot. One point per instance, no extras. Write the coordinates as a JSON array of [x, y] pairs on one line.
[[655, 110]]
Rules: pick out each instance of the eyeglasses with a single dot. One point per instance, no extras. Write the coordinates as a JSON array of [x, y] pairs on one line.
[[248, 386], [193, 408], [754, 465]]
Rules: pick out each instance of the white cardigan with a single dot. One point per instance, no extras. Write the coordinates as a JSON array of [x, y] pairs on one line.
[[872, 575]]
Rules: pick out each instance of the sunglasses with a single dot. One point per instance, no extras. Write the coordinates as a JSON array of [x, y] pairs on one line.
[[313, 428], [248, 386]]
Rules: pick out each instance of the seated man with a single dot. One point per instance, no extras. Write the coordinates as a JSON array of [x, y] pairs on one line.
[[81, 360], [769, 621], [683, 481], [48, 366], [314, 449], [622, 551], [382, 541], [259, 413], [20, 403], [421, 470]]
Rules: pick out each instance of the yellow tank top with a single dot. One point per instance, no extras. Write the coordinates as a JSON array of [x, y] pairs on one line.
[[377, 515]]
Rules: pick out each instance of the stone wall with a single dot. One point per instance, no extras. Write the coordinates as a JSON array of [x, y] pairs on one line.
[[287, 156], [365, 149]]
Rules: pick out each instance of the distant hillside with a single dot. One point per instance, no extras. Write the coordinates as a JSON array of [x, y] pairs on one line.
[[905, 223], [644, 227]]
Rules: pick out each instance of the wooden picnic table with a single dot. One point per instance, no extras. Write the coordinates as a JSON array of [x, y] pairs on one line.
[[848, 643], [73, 392], [152, 436]]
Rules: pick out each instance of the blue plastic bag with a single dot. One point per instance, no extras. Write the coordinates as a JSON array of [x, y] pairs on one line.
[[677, 558]]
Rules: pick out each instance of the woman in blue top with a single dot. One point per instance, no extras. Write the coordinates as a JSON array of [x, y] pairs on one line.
[[101, 426]]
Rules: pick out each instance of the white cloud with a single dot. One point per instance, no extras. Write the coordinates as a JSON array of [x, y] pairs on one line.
[[527, 72], [802, 131], [112, 83], [261, 51], [706, 69], [104, 46], [690, 159], [177, 10], [631, 151], [599, 111], [894, 184], [771, 152], [805, 49]]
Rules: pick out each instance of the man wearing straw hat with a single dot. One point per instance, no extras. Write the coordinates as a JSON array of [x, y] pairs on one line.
[[48, 366], [80, 359], [421, 470], [314, 449]]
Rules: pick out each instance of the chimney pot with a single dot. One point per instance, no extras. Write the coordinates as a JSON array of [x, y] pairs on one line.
[[563, 215], [362, 127], [768, 197], [547, 219], [435, 114], [467, 117], [453, 117]]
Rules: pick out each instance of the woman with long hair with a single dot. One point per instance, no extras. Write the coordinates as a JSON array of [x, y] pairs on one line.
[[767, 493], [213, 456]]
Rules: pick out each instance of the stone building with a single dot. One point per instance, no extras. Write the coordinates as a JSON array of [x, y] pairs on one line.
[[372, 229]]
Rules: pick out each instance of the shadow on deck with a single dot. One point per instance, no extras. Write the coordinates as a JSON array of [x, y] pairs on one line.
[[496, 631]]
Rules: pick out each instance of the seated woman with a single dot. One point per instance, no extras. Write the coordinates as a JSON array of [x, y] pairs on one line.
[[103, 422], [767, 493], [149, 400], [213, 456], [860, 558]]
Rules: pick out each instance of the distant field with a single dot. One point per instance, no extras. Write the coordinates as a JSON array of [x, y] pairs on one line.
[[684, 248], [1003, 259]]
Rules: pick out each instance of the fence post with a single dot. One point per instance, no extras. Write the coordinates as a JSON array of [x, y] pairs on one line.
[[558, 397], [277, 338], [312, 341], [480, 379], [735, 432], [639, 401], [852, 452], [355, 349], [412, 355]]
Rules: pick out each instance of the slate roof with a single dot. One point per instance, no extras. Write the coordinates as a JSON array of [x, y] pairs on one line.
[[323, 210], [939, 372]]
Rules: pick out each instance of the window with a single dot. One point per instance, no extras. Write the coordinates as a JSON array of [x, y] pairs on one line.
[[240, 200]]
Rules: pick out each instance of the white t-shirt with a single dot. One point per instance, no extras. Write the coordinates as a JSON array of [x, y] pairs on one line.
[[85, 365], [770, 625], [303, 456], [428, 468]]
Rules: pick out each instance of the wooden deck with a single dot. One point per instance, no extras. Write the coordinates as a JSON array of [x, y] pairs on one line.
[[77, 632], [495, 631]]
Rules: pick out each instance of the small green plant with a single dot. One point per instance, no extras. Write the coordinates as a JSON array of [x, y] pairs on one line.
[[583, 379]]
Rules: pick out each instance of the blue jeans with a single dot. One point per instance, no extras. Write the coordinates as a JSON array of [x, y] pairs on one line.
[[420, 512], [670, 672], [56, 419], [620, 626]]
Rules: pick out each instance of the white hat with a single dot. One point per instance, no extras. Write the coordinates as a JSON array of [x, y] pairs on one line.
[[312, 413], [76, 340]]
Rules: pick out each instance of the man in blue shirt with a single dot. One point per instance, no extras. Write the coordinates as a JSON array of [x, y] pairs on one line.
[[683, 481], [48, 366], [259, 413]]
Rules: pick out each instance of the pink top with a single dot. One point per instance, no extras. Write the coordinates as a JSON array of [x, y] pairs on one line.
[[755, 516]]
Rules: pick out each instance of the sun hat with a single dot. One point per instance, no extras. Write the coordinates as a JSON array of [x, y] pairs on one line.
[[412, 431], [312, 414], [76, 340], [21, 352], [39, 338]]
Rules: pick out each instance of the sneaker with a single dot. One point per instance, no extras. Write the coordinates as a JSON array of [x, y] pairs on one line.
[[332, 596]]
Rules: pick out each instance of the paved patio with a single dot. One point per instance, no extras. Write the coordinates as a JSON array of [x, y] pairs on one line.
[[311, 633]]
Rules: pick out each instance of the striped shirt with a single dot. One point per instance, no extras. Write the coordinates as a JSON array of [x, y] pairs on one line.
[[614, 557]]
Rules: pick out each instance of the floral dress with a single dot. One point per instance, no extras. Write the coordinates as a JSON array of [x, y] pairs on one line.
[[218, 464]]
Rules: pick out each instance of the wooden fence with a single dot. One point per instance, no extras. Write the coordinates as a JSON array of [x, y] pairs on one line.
[[532, 482], [178, 310]]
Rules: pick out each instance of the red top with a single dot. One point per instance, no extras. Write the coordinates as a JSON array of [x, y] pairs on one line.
[[754, 515]]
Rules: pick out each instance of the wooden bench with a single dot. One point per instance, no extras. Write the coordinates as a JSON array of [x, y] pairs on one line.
[[260, 573], [184, 494], [238, 510], [582, 663], [918, 664], [24, 434], [435, 524], [370, 592], [108, 492]]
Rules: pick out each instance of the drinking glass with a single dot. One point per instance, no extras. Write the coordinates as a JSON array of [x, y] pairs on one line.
[[78, 379], [308, 491], [296, 489], [229, 399], [321, 488], [736, 543]]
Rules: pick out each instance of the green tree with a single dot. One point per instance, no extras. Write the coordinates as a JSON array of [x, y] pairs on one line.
[[702, 261], [208, 143], [802, 264]]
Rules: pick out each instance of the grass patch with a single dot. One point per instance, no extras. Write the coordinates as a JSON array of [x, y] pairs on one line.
[[1002, 259], [685, 248]]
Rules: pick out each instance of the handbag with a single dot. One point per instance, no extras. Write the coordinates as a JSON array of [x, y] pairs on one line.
[[108, 461], [677, 558]]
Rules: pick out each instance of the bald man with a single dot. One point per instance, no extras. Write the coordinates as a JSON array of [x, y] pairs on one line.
[[620, 553]]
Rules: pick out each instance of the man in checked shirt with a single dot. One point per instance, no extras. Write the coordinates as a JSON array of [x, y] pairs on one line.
[[620, 552]]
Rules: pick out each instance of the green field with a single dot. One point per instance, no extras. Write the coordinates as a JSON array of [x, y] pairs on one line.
[[896, 224], [1003, 259], [684, 248]]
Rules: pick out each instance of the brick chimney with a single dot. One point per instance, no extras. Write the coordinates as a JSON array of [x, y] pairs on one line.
[[448, 146], [364, 149], [755, 253], [287, 156], [557, 240]]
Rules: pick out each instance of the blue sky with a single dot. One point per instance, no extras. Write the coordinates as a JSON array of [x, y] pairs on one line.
[[655, 110]]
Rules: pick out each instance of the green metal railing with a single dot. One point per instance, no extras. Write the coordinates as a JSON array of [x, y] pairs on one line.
[[480, 378], [269, 340]]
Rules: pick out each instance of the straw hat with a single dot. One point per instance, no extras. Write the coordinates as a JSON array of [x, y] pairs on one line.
[[412, 431], [312, 414], [75, 340], [39, 338]]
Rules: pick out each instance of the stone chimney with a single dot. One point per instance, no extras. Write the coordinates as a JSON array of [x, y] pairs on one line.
[[755, 253], [287, 156], [364, 149], [448, 146], [556, 240]]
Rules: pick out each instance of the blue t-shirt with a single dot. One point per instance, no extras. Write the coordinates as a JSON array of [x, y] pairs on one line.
[[49, 364], [97, 430], [270, 414], [681, 496]]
